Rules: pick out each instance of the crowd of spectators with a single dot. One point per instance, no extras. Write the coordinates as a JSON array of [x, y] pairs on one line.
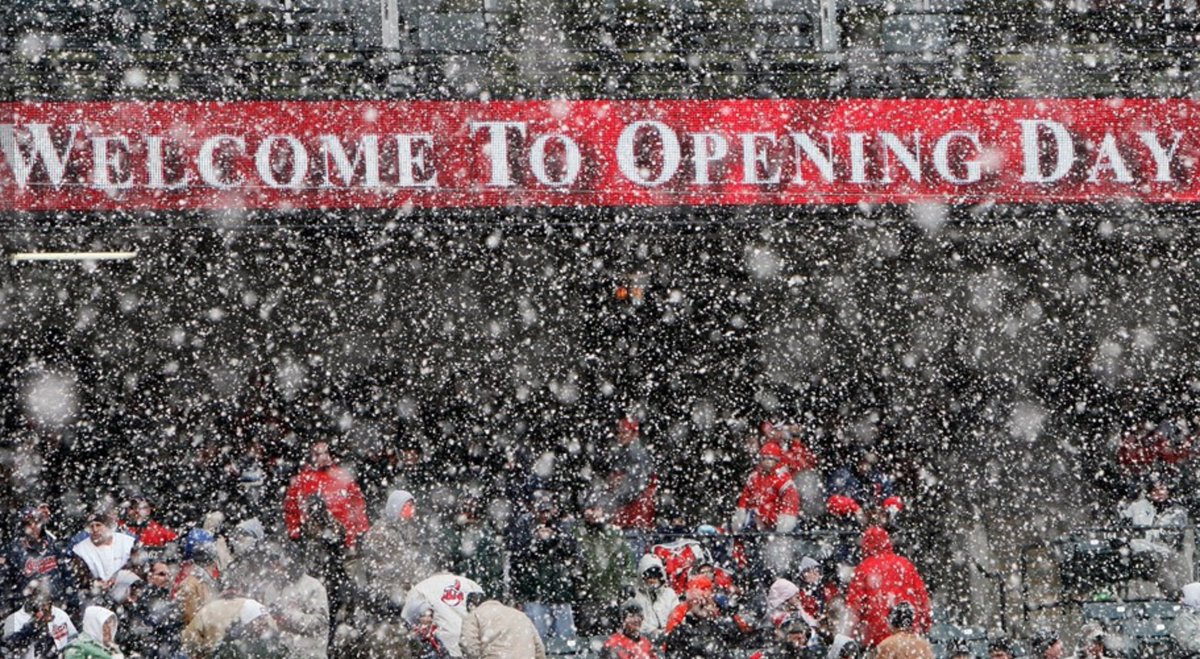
[[316, 573]]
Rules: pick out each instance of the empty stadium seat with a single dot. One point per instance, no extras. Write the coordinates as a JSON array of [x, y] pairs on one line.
[[1164, 610], [1107, 613], [1092, 563], [916, 33], [782, 25], [562, 647], [455, 32]]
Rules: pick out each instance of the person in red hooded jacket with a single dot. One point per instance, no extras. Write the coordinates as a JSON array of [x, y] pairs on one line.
[[336, 489], [769, 500], [883, 579]]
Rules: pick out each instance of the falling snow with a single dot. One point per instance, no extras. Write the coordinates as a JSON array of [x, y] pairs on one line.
[[684, 427]]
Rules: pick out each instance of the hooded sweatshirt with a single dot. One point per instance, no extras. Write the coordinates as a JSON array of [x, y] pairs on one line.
[[882, 580], [395, 505], [395, 553], [90, 642], [777, 603], [807, 563]]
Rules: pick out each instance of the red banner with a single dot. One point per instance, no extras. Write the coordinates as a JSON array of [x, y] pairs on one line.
[[283, 155]]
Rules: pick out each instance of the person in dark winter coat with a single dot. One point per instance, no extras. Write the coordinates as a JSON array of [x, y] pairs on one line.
[[471, 545], [606, 574], [702, 631], [1046, 644], [791, 642], [1001, 648], [34, 556], [155, 620], [545, 563], [629, 642], [881, 581], [862, 488], [903, 643]]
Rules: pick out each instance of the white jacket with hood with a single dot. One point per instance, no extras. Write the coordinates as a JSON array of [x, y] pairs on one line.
[[657, 604], [781, 592]]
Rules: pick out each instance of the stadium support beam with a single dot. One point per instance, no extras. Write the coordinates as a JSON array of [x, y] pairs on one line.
[[828, 33]]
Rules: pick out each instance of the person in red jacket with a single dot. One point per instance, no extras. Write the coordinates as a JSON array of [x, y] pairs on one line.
[[769, 500], [882, 580], [629, 474], [797, 457], [337, 491], [142, 525]]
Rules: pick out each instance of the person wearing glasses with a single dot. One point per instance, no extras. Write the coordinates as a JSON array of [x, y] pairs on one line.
[[155, 620]]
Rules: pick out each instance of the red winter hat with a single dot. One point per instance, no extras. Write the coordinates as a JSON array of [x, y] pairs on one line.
[[628, 424], [700, 582], [895, 504], [840, 505], [771, 450]]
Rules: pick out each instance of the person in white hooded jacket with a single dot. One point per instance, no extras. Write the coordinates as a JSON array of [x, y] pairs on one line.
[[98, 638], [654, 595], [1185, 629], [784, 600]]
